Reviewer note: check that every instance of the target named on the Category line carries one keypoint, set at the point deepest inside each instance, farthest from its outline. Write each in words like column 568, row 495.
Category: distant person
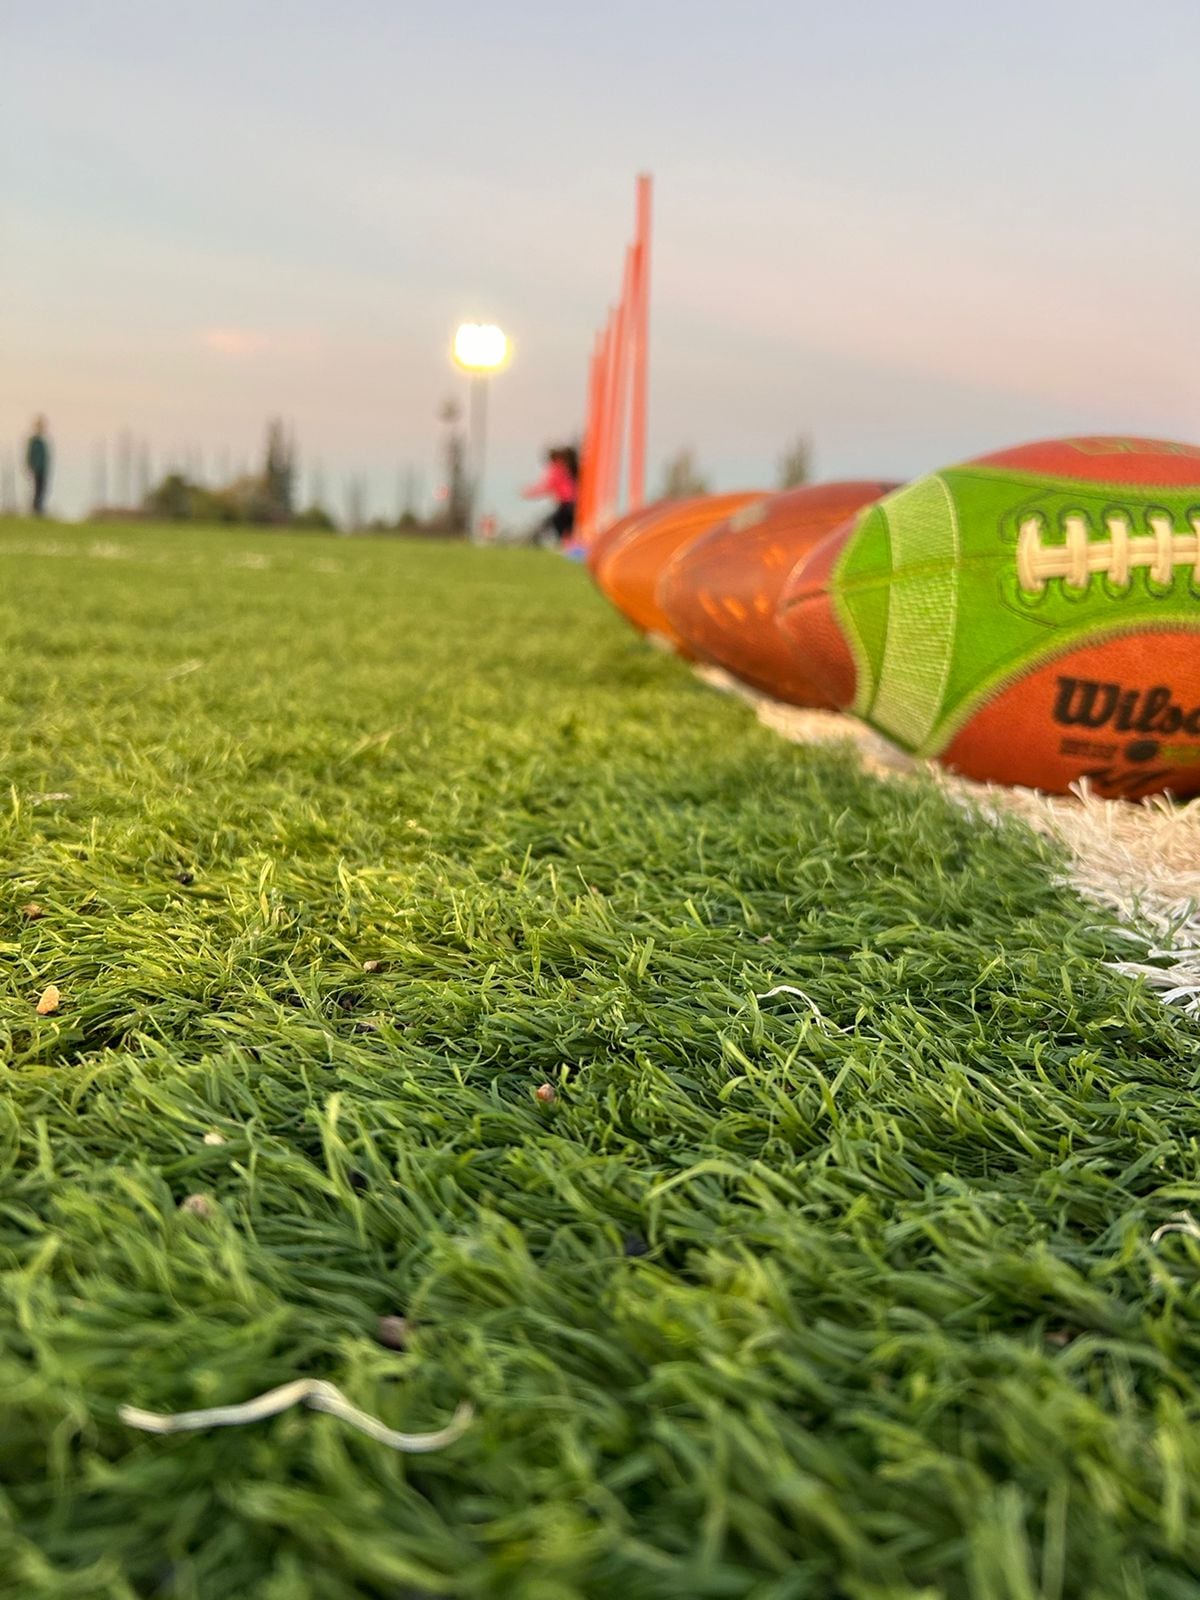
column 37, row 460
column 559, row 482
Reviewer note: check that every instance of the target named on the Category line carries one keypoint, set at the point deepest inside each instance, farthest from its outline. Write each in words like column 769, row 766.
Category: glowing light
column 480, row 347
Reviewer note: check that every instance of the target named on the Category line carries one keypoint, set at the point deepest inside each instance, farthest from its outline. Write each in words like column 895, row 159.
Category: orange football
column 720, row 592
column 608, row 538
column 629, row 569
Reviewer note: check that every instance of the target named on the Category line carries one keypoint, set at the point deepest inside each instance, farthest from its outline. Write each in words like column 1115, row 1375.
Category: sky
column 912, row 232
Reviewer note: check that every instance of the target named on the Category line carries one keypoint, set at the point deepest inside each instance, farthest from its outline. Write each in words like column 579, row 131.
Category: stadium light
column 480, row 348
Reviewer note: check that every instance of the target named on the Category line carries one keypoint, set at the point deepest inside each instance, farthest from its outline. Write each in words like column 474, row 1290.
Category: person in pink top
column 560, row 482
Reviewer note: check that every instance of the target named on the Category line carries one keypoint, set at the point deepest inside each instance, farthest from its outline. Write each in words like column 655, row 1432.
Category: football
column 610, row 537
column 1030, row 617
column 719, row 593
column 629, row 568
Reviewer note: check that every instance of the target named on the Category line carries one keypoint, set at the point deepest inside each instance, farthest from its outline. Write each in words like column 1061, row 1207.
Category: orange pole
column 604, row 464
column 617, row 377
column 588, row 445
column 581, row 486
column 618, row 382
column 591, row 441
column 639, row 347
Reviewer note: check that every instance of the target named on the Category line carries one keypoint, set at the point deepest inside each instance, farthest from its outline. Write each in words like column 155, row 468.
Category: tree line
column 269, row 497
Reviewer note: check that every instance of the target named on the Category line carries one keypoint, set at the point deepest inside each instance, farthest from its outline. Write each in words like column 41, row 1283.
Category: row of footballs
column 1030, row 617
column 706, row 575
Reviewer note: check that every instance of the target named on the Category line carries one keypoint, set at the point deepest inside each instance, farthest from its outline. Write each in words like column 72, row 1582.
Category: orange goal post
column 616, row 393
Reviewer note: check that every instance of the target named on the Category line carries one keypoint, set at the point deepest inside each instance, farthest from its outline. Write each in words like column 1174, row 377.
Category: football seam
column 910, row 690
column 1118, row 487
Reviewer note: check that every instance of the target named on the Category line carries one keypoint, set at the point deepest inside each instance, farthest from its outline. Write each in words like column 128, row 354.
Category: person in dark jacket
column 37, row 460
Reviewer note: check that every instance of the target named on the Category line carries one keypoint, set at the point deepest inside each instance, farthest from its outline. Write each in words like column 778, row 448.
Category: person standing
column 37, row 460
column 559, row 482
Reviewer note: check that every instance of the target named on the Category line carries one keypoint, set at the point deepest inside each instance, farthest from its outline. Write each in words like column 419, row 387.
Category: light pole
column 480, row 348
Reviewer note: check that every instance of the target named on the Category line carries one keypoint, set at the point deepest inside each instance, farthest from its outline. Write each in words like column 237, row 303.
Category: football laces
column 1078, row 556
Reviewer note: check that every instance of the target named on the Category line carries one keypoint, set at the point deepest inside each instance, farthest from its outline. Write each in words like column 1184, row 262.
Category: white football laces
column 1079, row 556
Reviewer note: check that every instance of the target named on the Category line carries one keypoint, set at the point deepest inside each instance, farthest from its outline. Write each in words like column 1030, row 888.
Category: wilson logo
column 1085, row 703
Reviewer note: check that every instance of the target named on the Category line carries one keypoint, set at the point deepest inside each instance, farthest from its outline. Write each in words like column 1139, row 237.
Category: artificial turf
column 342, row 849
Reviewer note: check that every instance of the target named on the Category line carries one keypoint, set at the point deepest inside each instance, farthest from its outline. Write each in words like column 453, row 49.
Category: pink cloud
column 234, row 341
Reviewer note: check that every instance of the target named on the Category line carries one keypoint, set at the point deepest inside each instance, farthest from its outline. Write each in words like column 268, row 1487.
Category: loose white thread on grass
column 312, row 1392
column 789, row 988
column 1183, row 1222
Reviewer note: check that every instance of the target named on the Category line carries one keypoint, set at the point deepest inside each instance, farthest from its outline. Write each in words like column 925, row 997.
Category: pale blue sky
column 914, row 231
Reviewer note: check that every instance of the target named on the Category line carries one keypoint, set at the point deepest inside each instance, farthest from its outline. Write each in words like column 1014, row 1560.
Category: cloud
column 234, row 341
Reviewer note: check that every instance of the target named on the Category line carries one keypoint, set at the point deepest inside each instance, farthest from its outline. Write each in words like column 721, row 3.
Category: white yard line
column 1141, row 862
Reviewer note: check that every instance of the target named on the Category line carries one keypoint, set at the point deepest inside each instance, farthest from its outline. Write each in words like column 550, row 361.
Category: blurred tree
column 125, row 468
column 315, row 516
column 406, row 504
column 455, row 517
column 356, row 504
column 246, row 498
column 171, row 499
column 251, row 497
column 177, row 499
column 100, row 475
column 279, row 473
column 681, row 477
column 795, row 464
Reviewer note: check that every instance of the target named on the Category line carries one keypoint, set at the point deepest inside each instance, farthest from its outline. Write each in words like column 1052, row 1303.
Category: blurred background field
column 215, row 215
column 337, row 853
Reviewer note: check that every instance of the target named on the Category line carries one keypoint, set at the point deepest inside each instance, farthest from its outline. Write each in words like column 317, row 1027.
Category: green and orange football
column 1030, row 617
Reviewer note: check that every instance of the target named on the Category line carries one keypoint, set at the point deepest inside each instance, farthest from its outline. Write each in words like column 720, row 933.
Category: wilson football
column 719, row 593
column 1030, row 617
